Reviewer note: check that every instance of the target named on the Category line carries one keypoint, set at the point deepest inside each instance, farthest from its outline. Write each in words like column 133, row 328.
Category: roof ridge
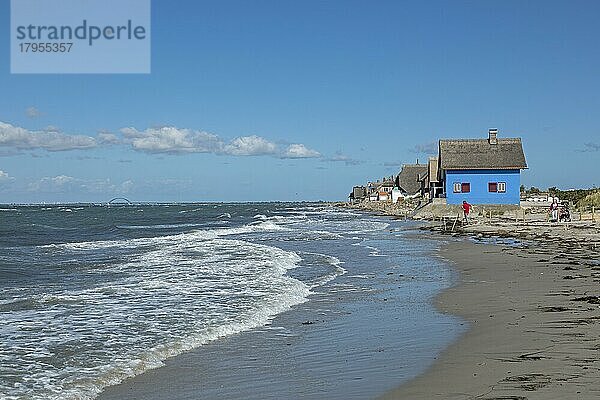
column 500, row 140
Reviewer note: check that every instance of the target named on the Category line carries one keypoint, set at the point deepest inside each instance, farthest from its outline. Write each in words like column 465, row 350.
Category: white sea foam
column 160, row 226
column 57, row 228
column 338, row 270
column 156, row 298
column 331, row 212
column 364, row 226
column 184, row 288
column 263, row 226
column 191, row 211
column 12, row 301
column 288, row 219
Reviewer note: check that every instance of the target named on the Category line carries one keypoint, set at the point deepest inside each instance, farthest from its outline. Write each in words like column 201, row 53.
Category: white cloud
column 590, row 147
column 50, row 139
column 426, row 148
column 60, row 183
column 183, row 141
column 33, row 112
column 166, row 139
column 64, row 183
column 131, row 133
column 340, row 157
column 61, row 180
column 250, row 146
column 108, row 138
column 172, row 140
column 4, row 177
column 106, row 186
column 299, row 151
column 127, row 186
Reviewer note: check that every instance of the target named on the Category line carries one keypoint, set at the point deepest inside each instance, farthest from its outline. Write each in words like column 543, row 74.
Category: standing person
column 466, row 210
column 554, row 210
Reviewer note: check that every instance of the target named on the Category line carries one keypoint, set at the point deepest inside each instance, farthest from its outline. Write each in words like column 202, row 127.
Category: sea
column 91, row 295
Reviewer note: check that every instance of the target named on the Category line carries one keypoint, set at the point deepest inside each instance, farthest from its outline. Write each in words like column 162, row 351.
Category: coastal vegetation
column 591, row 200
column 579, row 197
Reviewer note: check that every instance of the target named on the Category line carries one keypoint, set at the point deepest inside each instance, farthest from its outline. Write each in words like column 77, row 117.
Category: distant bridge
column 120, row 200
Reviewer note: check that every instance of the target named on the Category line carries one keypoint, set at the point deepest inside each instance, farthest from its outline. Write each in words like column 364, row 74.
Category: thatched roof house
column 481, row 171
column 408, row 180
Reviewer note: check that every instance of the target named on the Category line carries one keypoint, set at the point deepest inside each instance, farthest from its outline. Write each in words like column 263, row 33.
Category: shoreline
column 526, row 337
column 533, row 315
column 356, row 338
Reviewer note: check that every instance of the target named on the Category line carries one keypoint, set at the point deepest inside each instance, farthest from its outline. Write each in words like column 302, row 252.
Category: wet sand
column 532, row 310
column 534, row 318
column 359, row 336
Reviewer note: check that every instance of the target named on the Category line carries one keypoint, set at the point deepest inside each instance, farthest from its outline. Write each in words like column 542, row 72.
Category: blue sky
column 300, row 100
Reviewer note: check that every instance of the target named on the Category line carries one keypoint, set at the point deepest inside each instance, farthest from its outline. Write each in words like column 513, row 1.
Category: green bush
column 591, row 200
column 572, row 196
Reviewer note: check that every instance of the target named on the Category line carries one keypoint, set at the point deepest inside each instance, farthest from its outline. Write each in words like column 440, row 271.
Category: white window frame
column 457, row 187
column 501, row 187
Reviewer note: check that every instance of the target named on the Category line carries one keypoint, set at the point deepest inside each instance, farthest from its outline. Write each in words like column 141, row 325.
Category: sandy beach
column 529, row 301
column 359, row 335
column 533, row 312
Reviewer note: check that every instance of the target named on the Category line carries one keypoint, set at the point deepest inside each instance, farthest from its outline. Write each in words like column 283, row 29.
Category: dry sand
column 534, row 316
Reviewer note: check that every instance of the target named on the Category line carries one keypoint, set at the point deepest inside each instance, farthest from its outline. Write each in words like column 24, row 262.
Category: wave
column 264, row 226
column 256, row 227
column 180, row 293
column 337, row 270
column 55, row 228
column 160, row 226
column 148, row 299
column 365, row 226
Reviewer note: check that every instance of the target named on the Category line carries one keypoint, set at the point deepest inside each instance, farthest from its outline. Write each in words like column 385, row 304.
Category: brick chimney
column 493, row 136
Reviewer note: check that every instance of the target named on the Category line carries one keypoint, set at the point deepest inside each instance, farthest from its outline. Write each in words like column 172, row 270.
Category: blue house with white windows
column 482, row 171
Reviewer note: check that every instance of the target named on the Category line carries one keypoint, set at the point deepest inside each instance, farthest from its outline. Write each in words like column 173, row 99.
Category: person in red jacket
column 466, row 210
